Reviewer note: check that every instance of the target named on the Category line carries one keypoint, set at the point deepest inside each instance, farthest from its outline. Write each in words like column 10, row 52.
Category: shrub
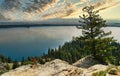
column 27, row 62
column 100, row 73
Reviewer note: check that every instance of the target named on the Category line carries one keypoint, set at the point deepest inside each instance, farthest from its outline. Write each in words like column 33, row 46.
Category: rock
column 89, row 66
column 54, row 68
column 94, row 69
column 86, row 62
column 113, row 71
column 2, row 68
column 58, row 67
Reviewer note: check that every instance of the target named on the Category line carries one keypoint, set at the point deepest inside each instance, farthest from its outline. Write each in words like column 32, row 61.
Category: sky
column 40, row 10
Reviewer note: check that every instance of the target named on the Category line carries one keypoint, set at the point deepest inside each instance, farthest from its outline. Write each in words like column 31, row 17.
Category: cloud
column 59, row 12
column 106, row 4
column 41, row 5
column 99, row 5
column 36, row 10
column 2, row 17
column 10, row 4
column 109, row 5
column 74, row 9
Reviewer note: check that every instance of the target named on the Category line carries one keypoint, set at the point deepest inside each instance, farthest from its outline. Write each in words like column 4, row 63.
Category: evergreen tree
column 9, row 60
column 93, row 36
column 23, row 60
column 15, row 64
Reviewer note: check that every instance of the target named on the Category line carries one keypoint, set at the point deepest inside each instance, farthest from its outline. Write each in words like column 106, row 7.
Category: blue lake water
column 34, row 41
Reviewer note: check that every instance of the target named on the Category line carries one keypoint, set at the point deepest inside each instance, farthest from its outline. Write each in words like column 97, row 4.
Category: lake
column 34, row 41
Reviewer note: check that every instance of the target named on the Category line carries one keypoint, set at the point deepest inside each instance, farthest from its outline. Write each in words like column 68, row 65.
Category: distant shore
column 33, row 25
column 28, row 25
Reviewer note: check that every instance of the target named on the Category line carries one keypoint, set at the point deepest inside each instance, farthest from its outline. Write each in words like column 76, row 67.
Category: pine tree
column 15, row 64
column 9, row 60
column 93, row 36
column 22, row 61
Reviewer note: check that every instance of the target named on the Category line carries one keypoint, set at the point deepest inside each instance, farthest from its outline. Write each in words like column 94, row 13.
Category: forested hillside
column 72, row 51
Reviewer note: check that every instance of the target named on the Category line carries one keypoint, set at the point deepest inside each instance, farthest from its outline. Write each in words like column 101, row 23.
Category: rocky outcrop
column 54, row 68
column 3, row 68
column 61, row 68
column 90, row 66
column 94, row 69
column 86, row 62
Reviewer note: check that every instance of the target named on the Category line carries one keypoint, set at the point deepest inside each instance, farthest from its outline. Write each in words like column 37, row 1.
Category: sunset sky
column 37, row 10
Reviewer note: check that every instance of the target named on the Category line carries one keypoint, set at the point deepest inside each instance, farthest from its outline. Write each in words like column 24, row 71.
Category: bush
column 27, row 62
column 100, row 73
column 1, row 72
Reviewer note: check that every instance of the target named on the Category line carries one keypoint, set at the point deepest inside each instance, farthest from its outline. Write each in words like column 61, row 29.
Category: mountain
column 50, row 22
